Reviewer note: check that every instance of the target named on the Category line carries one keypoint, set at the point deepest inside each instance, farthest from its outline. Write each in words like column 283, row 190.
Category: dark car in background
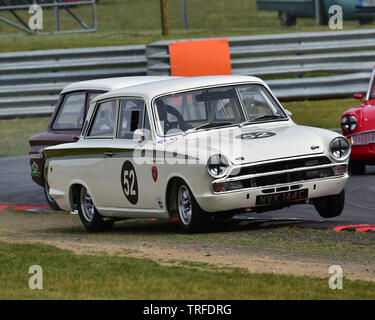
column 290, row 10
column 68, row 118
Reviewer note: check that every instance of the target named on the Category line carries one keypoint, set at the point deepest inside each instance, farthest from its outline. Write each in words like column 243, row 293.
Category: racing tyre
column 191, row 217
column 357, row 168
column 51, row 202
column 287, row 19
column 89, row 215
column 330, row 206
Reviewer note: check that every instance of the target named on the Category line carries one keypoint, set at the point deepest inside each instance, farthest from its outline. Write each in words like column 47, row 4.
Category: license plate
column 367, row 3
column 283, row 197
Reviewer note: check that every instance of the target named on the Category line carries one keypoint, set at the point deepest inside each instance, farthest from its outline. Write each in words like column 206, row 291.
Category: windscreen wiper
column 262, row 117
column 208, row 125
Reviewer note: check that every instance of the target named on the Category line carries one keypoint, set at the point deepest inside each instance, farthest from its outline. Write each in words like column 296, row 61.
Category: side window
column 92, row 95
column 104, row 120
column 131, row 118
column 71, row 112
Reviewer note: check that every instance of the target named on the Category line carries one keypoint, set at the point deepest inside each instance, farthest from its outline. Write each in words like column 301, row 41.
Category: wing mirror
column 138, row 135
column 358, row 96
column 288, row 113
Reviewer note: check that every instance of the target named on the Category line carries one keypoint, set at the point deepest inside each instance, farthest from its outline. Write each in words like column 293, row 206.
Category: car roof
column 151, row 90
column 110, row 84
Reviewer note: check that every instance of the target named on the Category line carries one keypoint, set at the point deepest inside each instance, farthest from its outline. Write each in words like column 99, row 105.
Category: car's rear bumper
column 246, row 198
column 62, row 199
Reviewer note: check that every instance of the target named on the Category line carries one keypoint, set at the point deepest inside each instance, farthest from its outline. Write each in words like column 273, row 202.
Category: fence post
column 164, row 17
column 184, row 14
column 318, row 12
column 57, row 16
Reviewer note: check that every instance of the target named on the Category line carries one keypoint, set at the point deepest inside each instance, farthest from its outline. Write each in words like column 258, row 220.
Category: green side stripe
column 99, row 152
column 92, row 153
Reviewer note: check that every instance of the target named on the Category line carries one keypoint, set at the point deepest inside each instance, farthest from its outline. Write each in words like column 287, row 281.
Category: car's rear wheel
column 89, row 215
column 191, row 217
column 330, row 206
column 51, row 202
column 357, row 167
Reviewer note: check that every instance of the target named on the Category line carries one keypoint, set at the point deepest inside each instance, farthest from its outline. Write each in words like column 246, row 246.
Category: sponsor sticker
column 160, row 203
column 154, row 172
column 35, row 169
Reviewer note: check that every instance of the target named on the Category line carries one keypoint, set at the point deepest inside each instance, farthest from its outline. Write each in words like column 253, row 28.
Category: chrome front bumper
column 284, row 171
column 246, row 198
column 240, row 188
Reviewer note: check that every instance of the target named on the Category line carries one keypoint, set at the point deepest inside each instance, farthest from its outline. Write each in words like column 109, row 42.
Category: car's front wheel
column 51, row 202
column 191, row 217
column 330, row 206
column 89, row 215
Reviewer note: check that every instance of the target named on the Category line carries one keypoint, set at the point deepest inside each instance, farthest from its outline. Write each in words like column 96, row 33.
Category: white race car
column 192, row 149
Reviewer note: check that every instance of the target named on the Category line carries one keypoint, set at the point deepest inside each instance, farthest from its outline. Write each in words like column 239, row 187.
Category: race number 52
column 129, row 182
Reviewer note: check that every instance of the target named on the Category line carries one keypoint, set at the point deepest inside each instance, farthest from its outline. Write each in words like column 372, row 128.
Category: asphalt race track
column 17, row 188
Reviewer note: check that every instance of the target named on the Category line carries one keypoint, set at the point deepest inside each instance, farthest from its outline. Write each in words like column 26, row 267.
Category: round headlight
column 349, row 123
column 340, row 148
column 217, row 165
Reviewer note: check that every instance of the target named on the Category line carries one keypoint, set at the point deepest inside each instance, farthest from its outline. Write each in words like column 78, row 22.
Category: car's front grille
column 363, row 138
column 278, row 173
column 281, row 165
column 287, row 178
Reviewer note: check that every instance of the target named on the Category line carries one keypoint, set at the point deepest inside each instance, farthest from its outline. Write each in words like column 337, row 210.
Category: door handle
column 109, row 154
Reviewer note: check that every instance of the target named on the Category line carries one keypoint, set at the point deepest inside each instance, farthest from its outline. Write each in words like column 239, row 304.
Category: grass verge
column 223, row 241
column 70, row 276
column 15, row 134
column 320, row 113
column 122, row 22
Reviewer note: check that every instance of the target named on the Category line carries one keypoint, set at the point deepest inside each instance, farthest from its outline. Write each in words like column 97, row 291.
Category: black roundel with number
column 129, row 182
column 257, row 135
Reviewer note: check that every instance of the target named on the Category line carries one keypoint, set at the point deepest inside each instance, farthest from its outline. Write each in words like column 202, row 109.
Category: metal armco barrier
column 300, row 59
column 304, row 65
column 31, row 81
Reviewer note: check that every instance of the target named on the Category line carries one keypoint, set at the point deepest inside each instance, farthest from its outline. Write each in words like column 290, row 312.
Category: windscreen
column 216, row 107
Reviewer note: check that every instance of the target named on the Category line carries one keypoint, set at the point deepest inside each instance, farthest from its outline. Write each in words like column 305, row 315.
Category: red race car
column 358, row 125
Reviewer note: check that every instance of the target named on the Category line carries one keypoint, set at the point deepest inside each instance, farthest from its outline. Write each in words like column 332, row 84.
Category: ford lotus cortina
column 194, row 149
